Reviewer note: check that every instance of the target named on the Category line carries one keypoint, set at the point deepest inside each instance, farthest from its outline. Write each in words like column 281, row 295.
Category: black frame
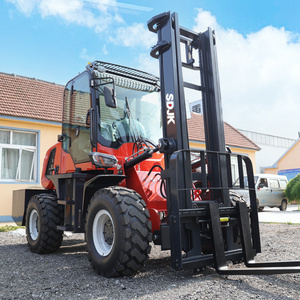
column 75, row 190
column 189, row 221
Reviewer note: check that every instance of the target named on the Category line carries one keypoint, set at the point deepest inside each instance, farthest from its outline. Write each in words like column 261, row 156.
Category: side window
column 283, row 184
column 18, row 156
column 50, row 164
column 274, row 183
column 66, row 126
column 263, row 182
column 77, row 102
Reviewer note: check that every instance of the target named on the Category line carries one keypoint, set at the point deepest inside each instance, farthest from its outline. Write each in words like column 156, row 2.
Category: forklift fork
column 253, row 268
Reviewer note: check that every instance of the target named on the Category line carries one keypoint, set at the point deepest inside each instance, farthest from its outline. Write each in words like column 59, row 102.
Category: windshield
column 136, row 116
column 237, row 182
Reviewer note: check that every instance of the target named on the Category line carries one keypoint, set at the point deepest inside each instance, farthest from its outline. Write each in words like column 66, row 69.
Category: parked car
column 269, row 191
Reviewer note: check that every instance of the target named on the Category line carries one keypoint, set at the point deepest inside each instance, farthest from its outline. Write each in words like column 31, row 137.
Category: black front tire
column 283, row 205
column 118, row 232
column 42, row 217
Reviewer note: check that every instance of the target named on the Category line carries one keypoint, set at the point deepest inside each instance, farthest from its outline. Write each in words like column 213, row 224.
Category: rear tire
column 283, row 205
column 118, row 232
column 42, row 217
column 235, row 197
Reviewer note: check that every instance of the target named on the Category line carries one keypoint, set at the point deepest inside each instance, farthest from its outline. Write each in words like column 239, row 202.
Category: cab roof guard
column 125, row 72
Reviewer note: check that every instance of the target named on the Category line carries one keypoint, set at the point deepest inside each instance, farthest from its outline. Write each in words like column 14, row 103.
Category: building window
column 18, row 156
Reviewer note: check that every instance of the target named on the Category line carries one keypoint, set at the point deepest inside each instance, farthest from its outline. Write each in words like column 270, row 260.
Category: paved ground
column 291, row 215
column 67, row 274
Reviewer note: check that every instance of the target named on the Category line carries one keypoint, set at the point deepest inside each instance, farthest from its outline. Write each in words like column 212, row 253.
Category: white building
column 272, row 147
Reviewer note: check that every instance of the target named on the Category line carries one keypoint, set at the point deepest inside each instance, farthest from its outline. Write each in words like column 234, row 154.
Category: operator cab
column 107, row 106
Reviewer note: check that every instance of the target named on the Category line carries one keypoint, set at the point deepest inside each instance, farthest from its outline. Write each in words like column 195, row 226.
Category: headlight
column 102, row 160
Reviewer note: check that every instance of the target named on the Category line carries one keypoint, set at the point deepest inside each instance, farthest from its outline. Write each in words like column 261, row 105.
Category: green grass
column 7, row 228
column 289, row 223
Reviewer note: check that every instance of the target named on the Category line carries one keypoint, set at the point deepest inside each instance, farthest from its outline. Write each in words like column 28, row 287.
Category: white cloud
column 96, row 14
column 148, row 64
column 89, row 57
column 104, row 50
column 259, row 77
column 100, row 15
column 86, row 56
column 259, row 73
column 134, row 36
column 25, row 6
column 205, row 19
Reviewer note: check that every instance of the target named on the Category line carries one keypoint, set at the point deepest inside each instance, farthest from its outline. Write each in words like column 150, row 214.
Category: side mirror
column 88, row 118
column 60, row 138
column 110, row 97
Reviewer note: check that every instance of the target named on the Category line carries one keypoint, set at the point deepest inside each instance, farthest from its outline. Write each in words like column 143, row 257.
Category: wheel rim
column 34, row 224
column 103, row 232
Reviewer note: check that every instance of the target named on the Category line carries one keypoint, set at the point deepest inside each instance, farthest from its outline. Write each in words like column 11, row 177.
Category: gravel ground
column 67, row 274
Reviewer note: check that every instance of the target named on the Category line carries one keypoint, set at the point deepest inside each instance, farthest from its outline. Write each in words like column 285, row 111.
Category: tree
column 292, row 191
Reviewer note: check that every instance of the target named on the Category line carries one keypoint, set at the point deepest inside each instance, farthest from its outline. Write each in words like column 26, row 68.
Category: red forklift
column 107, row 176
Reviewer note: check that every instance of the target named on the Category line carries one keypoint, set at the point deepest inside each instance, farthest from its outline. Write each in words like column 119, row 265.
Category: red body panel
column 136, row 177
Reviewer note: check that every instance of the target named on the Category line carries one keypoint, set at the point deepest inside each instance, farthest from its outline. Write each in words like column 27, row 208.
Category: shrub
column 7, row 228
column 292, row 191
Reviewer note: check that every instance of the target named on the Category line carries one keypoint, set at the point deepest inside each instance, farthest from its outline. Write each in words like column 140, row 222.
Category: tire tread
column 136, row 228
column 51, row 216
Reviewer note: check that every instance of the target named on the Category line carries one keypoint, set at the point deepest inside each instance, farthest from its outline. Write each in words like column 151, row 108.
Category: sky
column 258, row 45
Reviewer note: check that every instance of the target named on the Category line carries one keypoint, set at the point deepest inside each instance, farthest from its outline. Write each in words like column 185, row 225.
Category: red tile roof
column 30, row 98
column 36, row 99
column 233, row 137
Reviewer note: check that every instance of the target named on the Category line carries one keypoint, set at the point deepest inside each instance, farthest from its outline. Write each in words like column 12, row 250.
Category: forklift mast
column 218, row 228
column 168, row 50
